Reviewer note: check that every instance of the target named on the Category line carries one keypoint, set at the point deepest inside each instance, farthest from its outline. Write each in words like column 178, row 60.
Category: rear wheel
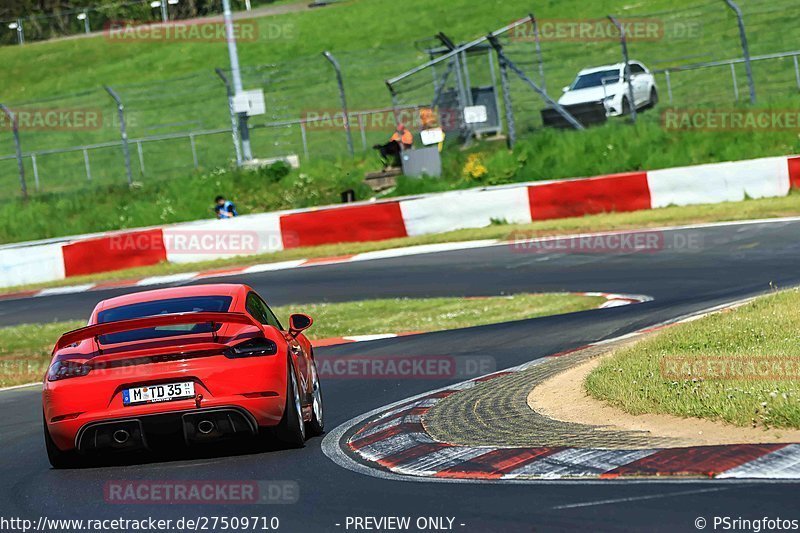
column 57, row 457
column 292, row 428
column 316, row 426
column 653, row 101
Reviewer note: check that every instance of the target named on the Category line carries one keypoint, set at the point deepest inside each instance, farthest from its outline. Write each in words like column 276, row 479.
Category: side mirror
column 565, row 89
column 298, row 323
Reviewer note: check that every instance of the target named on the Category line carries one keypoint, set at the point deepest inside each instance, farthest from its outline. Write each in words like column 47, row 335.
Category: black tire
column 292, row 429
column 58, row 458
column 653, row 101
column 626, row 106
column 316, row 426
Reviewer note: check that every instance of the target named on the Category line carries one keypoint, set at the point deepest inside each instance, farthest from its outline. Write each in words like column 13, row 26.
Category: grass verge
column 741, row 367
column 25, row 350
column 545, row 155
column 746, row 210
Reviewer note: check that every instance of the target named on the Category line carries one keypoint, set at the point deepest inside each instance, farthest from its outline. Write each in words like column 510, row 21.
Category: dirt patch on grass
column 562, row 397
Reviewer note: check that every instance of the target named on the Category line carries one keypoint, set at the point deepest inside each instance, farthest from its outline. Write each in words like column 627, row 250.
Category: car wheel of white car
column 626, row 106
column 653, row 100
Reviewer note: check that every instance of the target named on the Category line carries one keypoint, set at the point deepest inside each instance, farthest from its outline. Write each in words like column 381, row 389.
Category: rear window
column 193, row 304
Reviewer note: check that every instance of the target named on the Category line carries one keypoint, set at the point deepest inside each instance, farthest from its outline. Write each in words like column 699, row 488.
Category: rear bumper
column 148, row 425
column 257, row 385
column 145, row 432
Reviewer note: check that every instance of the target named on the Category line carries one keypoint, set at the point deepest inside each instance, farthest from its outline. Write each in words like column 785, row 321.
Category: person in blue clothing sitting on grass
column 224, row 208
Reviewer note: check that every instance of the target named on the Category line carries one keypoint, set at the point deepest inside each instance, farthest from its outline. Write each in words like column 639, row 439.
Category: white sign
column 432, row 136
column 475, row 114
column 250, row 102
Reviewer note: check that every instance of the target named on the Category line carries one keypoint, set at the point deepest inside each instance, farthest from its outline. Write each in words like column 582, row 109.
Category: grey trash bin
column 425, row 161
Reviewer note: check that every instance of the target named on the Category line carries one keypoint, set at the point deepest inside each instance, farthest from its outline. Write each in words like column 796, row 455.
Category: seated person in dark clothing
column 224, row 208
column 402, row 139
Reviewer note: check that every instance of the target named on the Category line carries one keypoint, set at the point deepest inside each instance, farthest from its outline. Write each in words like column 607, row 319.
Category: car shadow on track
column 240, row 446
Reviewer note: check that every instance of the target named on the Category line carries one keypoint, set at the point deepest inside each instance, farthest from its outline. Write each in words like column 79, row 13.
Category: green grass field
column 740, row 367
column 25, row 350
column 373, row 27
column 170, row 87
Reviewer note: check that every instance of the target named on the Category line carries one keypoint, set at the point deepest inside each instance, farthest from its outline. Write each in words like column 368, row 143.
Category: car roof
column 216, row 289
column 615, row 66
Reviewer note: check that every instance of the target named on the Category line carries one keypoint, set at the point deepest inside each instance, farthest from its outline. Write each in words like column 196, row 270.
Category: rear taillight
column 67, row 369
column 252, row 348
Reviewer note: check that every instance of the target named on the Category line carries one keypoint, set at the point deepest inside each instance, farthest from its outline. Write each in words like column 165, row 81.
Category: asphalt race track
column 697, row 269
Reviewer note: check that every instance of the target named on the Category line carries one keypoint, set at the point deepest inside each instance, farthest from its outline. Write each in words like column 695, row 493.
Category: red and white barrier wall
column 31, row 264
column 447, row 211
column 435, row 213
column 204, row 240
column 720, row 182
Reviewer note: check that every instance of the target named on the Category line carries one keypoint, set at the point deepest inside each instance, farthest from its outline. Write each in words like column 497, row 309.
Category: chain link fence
column 712, row 69
column 716, row 53
column 62, row 133
column 182, row 124
column 173, row 126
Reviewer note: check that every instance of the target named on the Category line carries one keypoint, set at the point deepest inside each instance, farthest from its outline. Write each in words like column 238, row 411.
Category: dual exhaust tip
column 130, row 434
column 204, row 427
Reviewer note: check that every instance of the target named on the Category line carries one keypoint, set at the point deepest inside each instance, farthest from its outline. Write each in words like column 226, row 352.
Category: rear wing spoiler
column 96, row 330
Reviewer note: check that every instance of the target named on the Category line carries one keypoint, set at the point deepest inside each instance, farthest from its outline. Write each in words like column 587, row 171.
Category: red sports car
column 179, row 365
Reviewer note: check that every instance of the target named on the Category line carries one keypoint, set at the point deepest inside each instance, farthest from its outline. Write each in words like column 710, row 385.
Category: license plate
column 158, row 393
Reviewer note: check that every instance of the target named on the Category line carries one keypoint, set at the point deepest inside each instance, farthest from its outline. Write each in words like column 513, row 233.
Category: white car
column 606, row 84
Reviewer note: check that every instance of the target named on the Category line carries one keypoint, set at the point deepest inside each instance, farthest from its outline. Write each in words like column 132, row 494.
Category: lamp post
column 163, row 5
column 20, row 33
column 85, row 18
column 236, row 77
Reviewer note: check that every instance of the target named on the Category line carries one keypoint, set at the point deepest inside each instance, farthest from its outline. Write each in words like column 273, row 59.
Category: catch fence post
column 18, row 146
column 123, row 132
column 343, row 98
column 745, row 48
